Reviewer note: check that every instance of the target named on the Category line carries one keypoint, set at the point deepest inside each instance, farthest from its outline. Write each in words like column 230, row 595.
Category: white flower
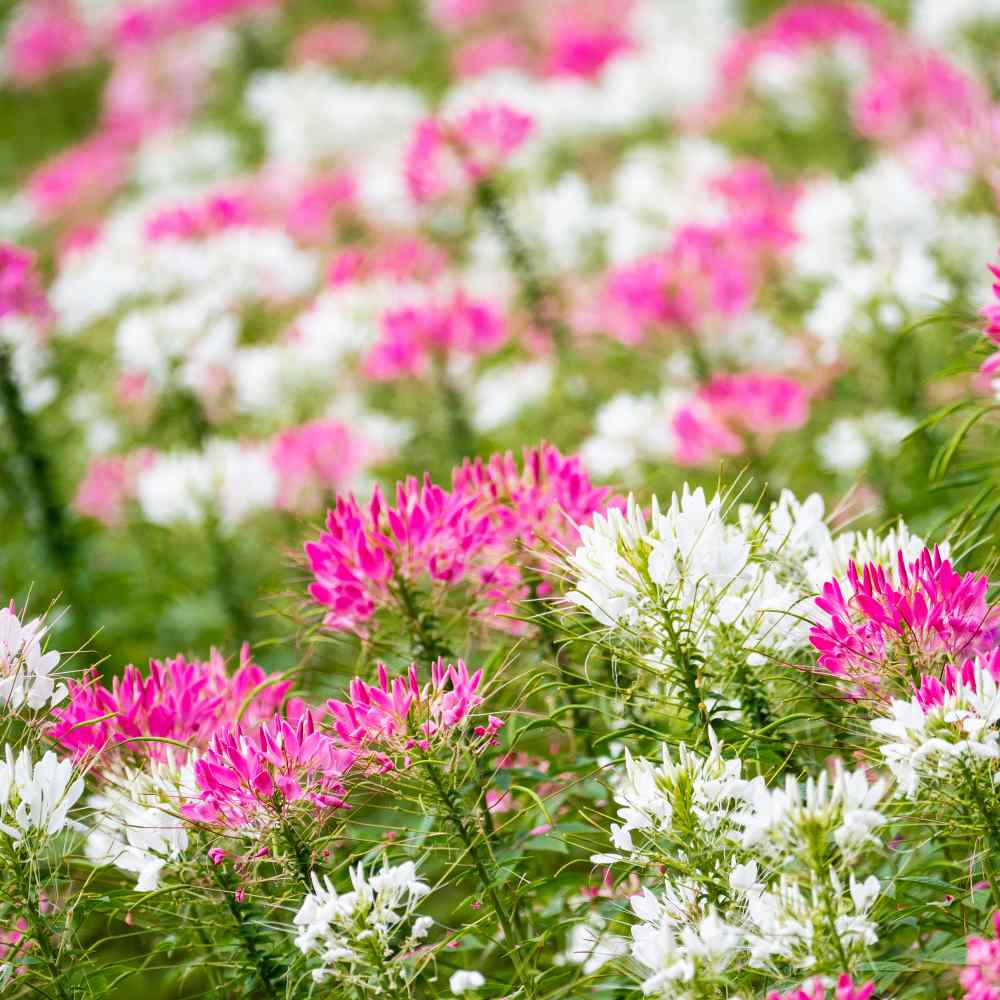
column 342, row 928
column 464, row 981
column 36, row 797
column 136, row 824
column 26, row 673
column 928, row 735
column 591, row 945
column 782, row 820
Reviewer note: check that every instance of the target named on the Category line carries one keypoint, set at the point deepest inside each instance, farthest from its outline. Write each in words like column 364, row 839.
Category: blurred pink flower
column 45, row 37
column 981, row 976
column 844, row 990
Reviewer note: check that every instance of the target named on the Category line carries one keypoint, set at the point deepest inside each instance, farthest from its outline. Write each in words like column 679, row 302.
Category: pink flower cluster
column 981, row 976
column 314, row 460
column 247, row 775
column 364, row 552
column 731, row 407
column 45, row 37
column 414, row 338
column 844, row 990
column 447, row 156
column 932, row 693
column 411, row 259
column 481, row 533
column 925, row 615
column 707, row 272
column 182, row 700
column 199, row 219
column 21, row 291
column 990, row 368
column 108, row 484
column 395, row 715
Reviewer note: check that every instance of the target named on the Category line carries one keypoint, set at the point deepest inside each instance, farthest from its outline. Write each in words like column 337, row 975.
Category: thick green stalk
column 60, row 545
column 536, row 296
column 453, row 813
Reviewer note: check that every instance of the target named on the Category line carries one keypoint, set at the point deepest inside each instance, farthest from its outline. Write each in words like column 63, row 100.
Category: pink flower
column 108, row 484
column 310, row 213
column 413, row 338
column 197, row 220
column 395, row 715
column 926, row 615
column 44, row 38
column 794, row 29
column 496, row 51
column 444, row 157
column 981, row 976
column 78, row 176
column 366, row 553
column 250, row 778
column 991, row 312
column 21, row 292
column 340, row 41
column 582, row 45
column 756, row 403
column 217, row 855
column 845, row 990
column 178, row 700
column 316, row 459
column 708, row 274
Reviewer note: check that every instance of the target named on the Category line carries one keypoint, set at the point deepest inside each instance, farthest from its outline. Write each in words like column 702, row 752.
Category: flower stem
column 58, row 539
column 263, row 966
column 39, row 931
column 429, row 645
column 460, row 432
column 453, row 812
column 536, row 296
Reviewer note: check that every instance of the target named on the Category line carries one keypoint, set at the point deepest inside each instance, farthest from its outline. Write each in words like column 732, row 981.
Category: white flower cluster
column 926, row 737
column 36, row 796
column 26, row 673
column 229, row 478
column 850, row 442
column 768, row 876
column 354, row 931
column 687, row 580
column 136, row 824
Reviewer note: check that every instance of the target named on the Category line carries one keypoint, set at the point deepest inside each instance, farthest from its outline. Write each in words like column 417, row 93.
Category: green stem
column 58, row 539
column 39, row 930
column 263, row 966
column 536, row 296
column 453, row 813
column 299, row 854
column 460, row 432
column 429, row 646
column 690, row 675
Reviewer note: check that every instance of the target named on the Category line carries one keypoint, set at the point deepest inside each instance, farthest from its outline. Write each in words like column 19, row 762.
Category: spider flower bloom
column 367, row 554
column 947, row 722
column 252, row 778
column 844, row 990
column 316, row 458
column 444, row 157
column 981, row 976
column 397, row 714
column 26, row 672
column 414, row 338
column 925, row 615
column 20, row 285
column 545, row 500
column 179, row 699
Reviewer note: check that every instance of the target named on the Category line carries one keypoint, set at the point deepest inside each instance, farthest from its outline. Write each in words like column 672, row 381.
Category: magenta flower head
column 485, row 534
column 366, row 555
column 920, row 620
column 981, row 975
column 385, row 721
column 414, row 338
column 255, row 778
column 844, row 990
column 181, row 700
column 444, row 157
column 21, row 291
